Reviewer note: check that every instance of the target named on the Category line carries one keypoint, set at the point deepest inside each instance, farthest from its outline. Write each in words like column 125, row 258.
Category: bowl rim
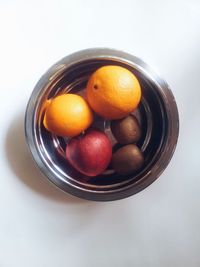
column 101, row 53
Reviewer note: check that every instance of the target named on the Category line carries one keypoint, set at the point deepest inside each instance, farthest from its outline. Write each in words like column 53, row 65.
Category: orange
column 113, row 92
column 67, row 115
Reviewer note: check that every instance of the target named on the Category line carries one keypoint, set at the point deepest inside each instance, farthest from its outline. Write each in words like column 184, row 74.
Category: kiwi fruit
column 126, row 130
column 127, row 159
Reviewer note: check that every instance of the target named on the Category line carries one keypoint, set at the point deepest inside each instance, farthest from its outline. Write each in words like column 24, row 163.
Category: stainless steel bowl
column 157, row 113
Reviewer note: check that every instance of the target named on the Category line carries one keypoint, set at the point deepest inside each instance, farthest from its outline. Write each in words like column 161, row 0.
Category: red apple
column 90, row 153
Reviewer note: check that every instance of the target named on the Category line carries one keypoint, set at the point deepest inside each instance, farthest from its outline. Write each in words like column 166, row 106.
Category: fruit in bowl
column 126, row 130
column 90, row 153
column 112, row 92
column 157, row 116
column 67, row 115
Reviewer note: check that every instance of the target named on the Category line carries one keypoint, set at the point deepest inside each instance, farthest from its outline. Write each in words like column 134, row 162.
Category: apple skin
column 90, row 153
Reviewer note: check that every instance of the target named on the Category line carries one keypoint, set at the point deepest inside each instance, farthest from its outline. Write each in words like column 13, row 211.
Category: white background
column 41, row 226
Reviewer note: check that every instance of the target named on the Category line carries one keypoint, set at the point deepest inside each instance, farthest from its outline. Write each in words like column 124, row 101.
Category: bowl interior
column 151, row 114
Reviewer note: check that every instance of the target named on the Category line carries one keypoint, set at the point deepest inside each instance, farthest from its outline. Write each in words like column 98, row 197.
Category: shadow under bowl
column 157, row 114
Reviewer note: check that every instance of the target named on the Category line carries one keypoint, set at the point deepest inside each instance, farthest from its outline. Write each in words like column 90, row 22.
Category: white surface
column 41, row 226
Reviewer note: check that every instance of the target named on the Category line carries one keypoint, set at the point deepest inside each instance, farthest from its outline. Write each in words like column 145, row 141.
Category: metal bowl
column 157, row 113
